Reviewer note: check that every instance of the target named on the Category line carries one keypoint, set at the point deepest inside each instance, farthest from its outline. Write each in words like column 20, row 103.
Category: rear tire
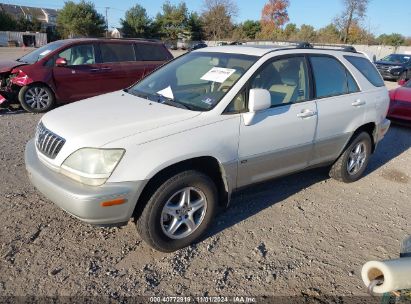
column 179, row 212
column 352, row 163
column 36, row 98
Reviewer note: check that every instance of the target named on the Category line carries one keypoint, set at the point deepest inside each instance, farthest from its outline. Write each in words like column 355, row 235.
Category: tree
column 23, row 24
column 307, row 33
column 273, row 16
column 329, row 34
column 195, row 27
column 80, row 19
column 136, row 22
column 393, row 39
column 7, row 22
column 354, row 11
column 218, row 18
column 173, row 20
column 290, row 31
column 251, row 28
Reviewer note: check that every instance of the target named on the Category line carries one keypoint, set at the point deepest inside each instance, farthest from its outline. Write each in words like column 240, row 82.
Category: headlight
column 92, row 166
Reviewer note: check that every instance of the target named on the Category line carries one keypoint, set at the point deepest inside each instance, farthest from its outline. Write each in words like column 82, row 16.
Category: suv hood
column 389, row 63
column 99, row 120
column 8, row 65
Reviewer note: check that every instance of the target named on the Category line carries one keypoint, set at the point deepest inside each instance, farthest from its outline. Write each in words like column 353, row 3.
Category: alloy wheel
column 356, row 158
column 183, row 212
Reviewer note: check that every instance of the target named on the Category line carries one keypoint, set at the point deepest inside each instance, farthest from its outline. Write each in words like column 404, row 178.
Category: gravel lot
column 303, row 235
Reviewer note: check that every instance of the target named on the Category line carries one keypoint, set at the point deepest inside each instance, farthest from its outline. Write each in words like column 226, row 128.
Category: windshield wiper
column 162, row 99
column 170, row 101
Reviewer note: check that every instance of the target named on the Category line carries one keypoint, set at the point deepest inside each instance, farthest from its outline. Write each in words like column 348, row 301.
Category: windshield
column 196, row 81
column 396, row 58
column 38, row 54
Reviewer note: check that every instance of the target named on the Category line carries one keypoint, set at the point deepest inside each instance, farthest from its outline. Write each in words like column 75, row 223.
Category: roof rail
column 333, row 47
column 140, row 39
column 304, row 45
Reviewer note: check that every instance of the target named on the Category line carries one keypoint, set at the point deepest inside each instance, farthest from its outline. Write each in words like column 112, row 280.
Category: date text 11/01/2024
column 202, row 299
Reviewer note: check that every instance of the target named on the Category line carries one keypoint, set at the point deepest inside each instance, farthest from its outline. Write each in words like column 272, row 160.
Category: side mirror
column 401, row 82
column 61, row 62
column 259, row 100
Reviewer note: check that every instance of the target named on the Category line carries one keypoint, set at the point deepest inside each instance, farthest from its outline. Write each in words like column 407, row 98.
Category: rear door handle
column 94, row 70
column 358, row 103
column 106, row 69
column 306, row 113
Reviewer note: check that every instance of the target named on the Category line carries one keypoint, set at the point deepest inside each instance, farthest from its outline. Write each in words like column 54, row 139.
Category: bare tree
column 354, row 11
column 218, row 18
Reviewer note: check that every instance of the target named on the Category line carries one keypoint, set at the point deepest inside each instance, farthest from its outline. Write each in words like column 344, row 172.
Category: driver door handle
column 358, row 103
column 306, row 113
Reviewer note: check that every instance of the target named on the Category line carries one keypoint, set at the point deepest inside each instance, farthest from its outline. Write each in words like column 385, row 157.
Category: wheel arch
column 208, row 165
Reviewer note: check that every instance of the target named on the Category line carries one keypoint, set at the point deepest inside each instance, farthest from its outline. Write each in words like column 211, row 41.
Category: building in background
column 46, row 16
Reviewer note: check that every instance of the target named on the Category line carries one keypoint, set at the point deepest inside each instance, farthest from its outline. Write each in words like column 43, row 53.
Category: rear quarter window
column 151, row 52
column 117, row 52
column 367, row 69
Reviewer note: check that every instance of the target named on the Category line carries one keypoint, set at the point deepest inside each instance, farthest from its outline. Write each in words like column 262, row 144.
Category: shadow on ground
column 250, row 201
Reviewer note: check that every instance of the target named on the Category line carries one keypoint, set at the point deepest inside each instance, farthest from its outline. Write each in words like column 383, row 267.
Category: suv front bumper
column 80, row 200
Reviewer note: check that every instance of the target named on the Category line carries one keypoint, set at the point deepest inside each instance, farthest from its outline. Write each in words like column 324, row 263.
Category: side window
column 330, row 76
column 151, row 52
column 367, row 69
column 117, row 52
column 352, row 85
column 286, row 80
column 79, row 54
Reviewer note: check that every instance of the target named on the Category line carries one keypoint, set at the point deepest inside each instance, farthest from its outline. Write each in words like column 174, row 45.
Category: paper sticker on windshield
column 45, row 52
column 217, row 74
column 167, row 93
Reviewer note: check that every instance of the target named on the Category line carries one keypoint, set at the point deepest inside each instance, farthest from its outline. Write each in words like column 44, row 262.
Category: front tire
column 36, row 98
column 352, row 163
column 178, row 212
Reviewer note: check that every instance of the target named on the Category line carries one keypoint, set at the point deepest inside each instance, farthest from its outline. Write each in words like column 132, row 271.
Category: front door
column 81, row 77
column 280, row 139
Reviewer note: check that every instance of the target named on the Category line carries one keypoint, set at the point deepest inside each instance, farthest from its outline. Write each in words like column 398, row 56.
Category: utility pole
column 107, row 8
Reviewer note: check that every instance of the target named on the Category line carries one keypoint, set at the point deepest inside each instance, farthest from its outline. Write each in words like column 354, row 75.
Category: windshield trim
column 254, row 58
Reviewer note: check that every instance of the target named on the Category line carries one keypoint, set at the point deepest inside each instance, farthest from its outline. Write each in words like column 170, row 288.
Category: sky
column 383, row 16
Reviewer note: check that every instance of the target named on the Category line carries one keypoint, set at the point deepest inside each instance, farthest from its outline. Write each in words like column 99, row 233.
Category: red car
column 400, row 102
column 68, row 70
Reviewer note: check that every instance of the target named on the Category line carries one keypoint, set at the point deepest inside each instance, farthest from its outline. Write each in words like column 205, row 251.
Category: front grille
column 383, row 67
column 47, row 142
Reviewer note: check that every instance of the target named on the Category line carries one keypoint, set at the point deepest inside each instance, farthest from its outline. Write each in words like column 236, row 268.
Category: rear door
column 117, row 60
column 80, row 78
column 341, row 107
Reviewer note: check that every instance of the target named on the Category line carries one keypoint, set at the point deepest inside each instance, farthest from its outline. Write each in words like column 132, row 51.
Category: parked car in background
column 68, row 70
column 172, row 148
column 198, row 46
column 395, row 66
column 400, row 102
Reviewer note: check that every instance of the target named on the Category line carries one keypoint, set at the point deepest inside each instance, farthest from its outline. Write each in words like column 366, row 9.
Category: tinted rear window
column 330, row 76
column 367, row 69
column 151, row 52
column 117, row 52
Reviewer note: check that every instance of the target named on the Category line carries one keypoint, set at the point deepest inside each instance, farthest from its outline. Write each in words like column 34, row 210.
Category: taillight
column 20, row 78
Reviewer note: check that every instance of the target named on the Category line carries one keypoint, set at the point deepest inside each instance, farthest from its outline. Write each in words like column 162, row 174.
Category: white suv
column 172, row 148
